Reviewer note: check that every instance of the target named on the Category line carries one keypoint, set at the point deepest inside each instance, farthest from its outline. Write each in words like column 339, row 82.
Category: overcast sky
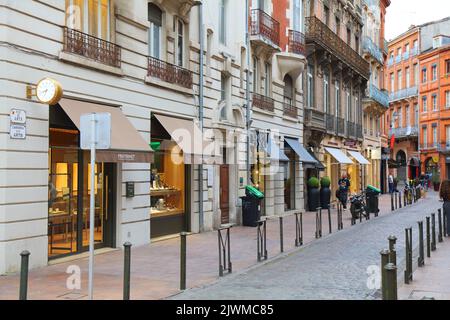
column 403, row 13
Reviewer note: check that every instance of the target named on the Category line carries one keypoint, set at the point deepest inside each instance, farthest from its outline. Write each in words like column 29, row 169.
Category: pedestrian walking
column 344, row 186
column 444, row 193
column 391, row 183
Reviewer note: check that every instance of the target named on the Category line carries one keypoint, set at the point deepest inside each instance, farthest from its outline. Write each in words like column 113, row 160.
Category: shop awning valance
column 319, row 165
column 127, row 145
column 359, row 157
column 300, row 150
column 339, row 155
column 191, row 141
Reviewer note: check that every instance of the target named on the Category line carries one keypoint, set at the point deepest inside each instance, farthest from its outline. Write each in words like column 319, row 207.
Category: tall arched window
column 154, row 32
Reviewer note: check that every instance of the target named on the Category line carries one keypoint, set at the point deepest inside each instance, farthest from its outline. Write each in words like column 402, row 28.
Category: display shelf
column 163, row 192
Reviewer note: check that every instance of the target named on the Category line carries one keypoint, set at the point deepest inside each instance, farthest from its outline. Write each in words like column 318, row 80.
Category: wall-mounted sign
column 17, row 132
column 18, row 116
column 350, row 143
column 129, row 189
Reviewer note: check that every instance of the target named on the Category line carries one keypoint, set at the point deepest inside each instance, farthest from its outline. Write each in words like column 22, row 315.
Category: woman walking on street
column 444, row 193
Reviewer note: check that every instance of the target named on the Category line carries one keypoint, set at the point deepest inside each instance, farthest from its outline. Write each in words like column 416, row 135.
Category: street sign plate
column 18, row 116
column 18, row 132
column 102, row 138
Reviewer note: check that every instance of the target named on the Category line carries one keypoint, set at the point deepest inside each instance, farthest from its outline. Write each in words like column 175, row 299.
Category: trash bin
column 251, row 206
column 372, row 196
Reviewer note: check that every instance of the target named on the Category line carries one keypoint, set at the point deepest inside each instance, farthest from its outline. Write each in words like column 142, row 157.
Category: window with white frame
column 255, row 75
column 326, row 93
column 447, row 99
column 434, row 135
column 154, row 31
column 400, row 79
column 434, row 73
column 407, row 77
column 424, row 104
column 223, row 21
column 297, row 16
column 447, row 136
column 179, row 39
column 425, row 137
column 90, row 16
column 408, row 116
column 435, row 105
column 310, row 86
column 337, row 98
column 349, row 106
column 267, row 80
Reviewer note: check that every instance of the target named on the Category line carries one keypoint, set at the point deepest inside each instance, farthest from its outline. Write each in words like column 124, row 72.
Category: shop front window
column 289, row 180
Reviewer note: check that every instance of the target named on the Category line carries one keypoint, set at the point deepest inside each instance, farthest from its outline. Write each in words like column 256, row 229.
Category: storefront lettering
column 126, row 156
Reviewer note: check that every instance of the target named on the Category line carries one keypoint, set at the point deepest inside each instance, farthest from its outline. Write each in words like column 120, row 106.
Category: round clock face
column 47, row 91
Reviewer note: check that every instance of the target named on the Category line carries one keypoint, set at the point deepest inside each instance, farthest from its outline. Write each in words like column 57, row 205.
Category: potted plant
column 436, row 181
column 325, row 192
column 313, row 194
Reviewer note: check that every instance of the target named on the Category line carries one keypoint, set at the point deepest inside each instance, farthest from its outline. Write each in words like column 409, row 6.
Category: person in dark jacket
column 444, row 193
column 344, row 186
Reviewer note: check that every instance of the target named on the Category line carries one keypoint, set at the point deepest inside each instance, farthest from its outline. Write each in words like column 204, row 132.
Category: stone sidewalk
column 155, row 268
column 433, row 280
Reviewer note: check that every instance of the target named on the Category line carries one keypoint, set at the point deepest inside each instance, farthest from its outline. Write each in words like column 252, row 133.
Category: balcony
column 341, row 127
column 405, row 55
column 351, row 129
column 169, row 73
column 377, row 95
column 390, row 62
column 372, row 49
column 405, row 132
column 331, row 124
column 82, row 44
column 264, row 29
column 263, row 103
column 319, row 33
column 290, row 110
column 293, row 62
column 404, row 94
column 315, row 120
column 359, row 132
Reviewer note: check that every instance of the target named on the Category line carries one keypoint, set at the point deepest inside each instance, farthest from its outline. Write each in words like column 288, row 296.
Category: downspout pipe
column 201, row 111
column 247, row 92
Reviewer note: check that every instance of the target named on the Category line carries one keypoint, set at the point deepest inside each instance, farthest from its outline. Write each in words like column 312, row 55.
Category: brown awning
column 189, row 138
column 127, row 145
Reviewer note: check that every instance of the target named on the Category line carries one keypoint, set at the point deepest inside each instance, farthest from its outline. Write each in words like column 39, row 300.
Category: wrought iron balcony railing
column 351, row 129
column 404, row 132
column 263, row 102
column 297, row 42
column 404, row 94
column 169, row 73
column 359, row 131
column 315, row 119
column 380, row 96
column 331, row 123
column 318, row 32
column 398, row 58
column 341, row 126
column 290, row 110
column 91, row 47
column 264, row 25
column 370, row 47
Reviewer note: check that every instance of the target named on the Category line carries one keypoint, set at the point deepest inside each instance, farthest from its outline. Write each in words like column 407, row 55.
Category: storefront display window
column 289, row 179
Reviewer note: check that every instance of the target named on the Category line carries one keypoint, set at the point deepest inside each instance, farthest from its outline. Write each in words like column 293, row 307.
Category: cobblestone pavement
column 334, row 267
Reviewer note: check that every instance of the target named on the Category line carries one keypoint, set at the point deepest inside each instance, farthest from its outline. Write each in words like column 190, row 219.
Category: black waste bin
column 251, row 206
column 372, row 196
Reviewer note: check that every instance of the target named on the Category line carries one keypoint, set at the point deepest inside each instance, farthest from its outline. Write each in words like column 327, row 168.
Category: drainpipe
column 200, row 105
column 247, row 91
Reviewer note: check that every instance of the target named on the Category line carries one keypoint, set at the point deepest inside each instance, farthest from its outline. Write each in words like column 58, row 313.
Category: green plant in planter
column 325, row 182
column 313, row 182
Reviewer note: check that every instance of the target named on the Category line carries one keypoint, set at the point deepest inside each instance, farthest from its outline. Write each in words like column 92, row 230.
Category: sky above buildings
column 401, row 14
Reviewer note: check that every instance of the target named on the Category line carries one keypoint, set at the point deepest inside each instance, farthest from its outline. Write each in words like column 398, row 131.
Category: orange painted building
column 434, row 97
column 401, row 120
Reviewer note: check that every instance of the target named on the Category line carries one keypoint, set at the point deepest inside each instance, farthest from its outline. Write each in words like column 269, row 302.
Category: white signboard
column 18, row 116
column 102, row 130
column 17, row 132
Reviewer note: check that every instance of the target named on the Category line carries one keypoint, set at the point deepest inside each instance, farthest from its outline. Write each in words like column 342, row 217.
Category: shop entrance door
column 104, row 205
column 225, row 193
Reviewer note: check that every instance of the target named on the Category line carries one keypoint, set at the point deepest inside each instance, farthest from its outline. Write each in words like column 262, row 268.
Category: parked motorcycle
column 358, row 206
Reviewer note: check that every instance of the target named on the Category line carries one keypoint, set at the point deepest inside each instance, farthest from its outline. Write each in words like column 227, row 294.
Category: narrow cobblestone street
column 331, row 268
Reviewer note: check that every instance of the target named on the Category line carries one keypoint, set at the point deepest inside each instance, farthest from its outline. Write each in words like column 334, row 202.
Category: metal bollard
column 281, row 235
column 384, row 261
column 25, row 256
column 440, row 237
column 262, row 240
column 224, row 251
column 421, row 259
column 444, row 218
column 408, row 256
column 298, row 229
column 339, row 217
column 329, row 220
column 391, row 281
column 400, row 199
column 392, row 202
column 428, row 238
column 183, row 261
column 395, row 200
column 126, row 270
column 319, row 223
column 433, row 232
column 392, row 249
